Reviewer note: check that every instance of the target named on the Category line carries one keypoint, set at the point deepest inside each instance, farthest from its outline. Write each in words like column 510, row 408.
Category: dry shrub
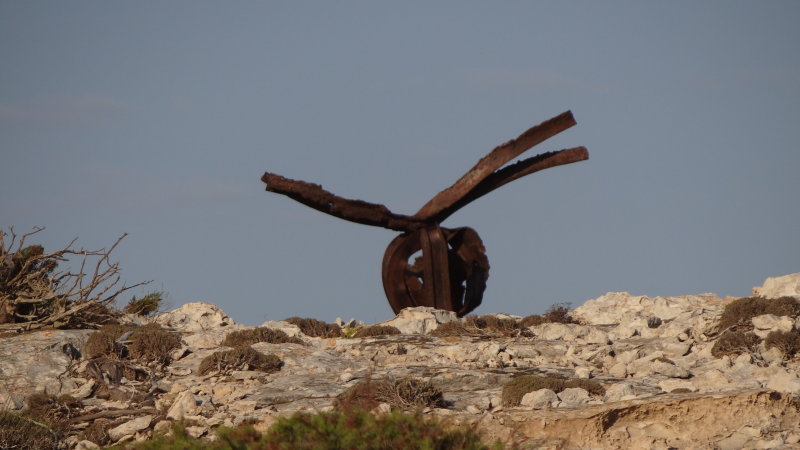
column 376, row 330
column 148, row 343
column 404, row 393
column 557, row 313
column 97, row 432
column 493, row 324
column 741, row 311
column 734, row 342
column 153, row 344
column 452, row 328
column 788, row 342
column 241, row 358
column 53, row 411
column 316, row 328
column 18, row 431
column 260, row 334
column 517, row 387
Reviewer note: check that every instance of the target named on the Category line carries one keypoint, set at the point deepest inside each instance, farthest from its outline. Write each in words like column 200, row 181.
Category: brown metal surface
column 452, row 268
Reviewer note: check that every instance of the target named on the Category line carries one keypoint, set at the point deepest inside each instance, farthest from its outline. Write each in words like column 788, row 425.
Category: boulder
column 782, row 286
column 539, row 399
column 420, row 319
column 194, row 317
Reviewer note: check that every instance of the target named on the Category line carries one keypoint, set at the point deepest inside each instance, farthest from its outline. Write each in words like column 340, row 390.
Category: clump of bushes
column 494, row 325
column 354, row 429
column 259, row 334
column 405, row 393
column 316, row 328
column 735, row 342
column 240, row 358
column 144, row 306
column 376, row 330
column 788, row 342
column 453, row 328
column 148, row 343
column 741, row 311
column 517, row 387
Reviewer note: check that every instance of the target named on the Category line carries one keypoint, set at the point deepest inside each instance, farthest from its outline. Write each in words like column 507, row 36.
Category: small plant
column 734, row 343
column 493, row 324
column 97, row 432
column 376, row 330
column 741, row 311
column 259, row 334
column 146, row 305
column 316, row 328
column 517, row 387
column 404, row 393
column 788, row 342
column 241, row 358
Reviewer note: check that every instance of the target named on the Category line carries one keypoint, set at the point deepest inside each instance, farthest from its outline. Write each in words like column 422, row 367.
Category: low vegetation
column 788, row 342
column 252, row 336
column 145, row 306
column 240, row 358
column 316, row 328
column 405, row 393
column 741, row 311
column 517, row 387
column 354, row 429
column 147, row 343
column 375, row 330
column 733, row 343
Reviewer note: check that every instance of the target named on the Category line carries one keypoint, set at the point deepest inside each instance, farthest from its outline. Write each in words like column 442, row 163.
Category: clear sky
column 159, row 118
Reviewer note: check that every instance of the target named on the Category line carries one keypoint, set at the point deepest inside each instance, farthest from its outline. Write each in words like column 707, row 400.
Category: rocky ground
column 663, row 386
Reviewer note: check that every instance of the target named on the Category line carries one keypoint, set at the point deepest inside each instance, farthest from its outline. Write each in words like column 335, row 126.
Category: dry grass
column 316, row 328
column 376, row 330
column 514, row 390
column 97, row 432
column 557, row 313
column 734, row 343
column 404, row 393
column 241, row 358
column 20, row 432
column 454, row 328
column 260, row 334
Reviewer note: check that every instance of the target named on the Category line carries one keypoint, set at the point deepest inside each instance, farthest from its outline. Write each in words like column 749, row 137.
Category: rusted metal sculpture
column 452, row 268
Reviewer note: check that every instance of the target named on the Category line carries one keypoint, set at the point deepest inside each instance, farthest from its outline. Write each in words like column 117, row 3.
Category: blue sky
column 159, row 118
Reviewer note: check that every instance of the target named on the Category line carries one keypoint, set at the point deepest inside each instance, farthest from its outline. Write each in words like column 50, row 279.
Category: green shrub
column 376, row 330
column 259, row 334
column 241, row 358
column 404, row 393
column 788, row 342
column 741, row 311
column 355, row 429
column 734, row 343
column 146, row 305
column 517, row 387
column 316, row 328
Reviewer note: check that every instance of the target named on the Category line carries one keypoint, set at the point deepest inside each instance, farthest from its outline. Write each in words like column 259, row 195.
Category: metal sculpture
column 452, row 268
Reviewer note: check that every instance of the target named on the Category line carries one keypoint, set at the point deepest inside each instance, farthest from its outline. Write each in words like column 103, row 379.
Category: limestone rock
column 185, row 404
column 420, row 319
column 130, row 427
column 194, row 317
column 619, row 391
column 774, row 287
column 767, row 323
column 573, row 396
column 539, row 399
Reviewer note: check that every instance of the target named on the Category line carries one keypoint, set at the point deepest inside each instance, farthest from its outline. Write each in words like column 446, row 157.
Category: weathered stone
column 573, row 396
column 130, row 427
column 420, row 319
column 784, row 381
column 767, row 323
column 185, row 404
column 619, row 391
column 195, row 317
column 669, row 369
column 539, row 399
column 774, row 287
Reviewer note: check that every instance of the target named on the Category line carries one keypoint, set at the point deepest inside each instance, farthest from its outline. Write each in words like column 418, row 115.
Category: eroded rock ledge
column 663, row 387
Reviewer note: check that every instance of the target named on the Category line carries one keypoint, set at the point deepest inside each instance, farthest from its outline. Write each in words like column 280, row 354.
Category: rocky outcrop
column 663, row 387
column 774, row 287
